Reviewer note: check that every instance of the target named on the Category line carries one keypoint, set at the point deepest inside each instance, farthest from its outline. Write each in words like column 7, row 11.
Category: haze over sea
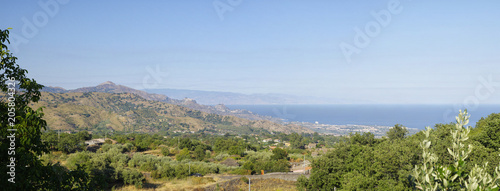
column 412, row 116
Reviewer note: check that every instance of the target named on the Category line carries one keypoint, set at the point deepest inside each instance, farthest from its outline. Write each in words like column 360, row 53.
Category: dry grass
column 271, row 184
column 156, row 152
column 191, row 183
column 208, row 183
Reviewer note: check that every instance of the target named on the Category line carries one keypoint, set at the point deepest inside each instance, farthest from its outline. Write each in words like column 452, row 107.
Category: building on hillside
column 311, row 146
column 94, row 142
column 98, row 141
column 267, row 140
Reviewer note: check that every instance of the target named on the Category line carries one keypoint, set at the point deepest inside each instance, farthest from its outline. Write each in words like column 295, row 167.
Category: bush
column 165, row 151
column 244, row 179
column 183, row 155
column 221, row 156
column 78, row 158
column 132, row 177
column 241, row 171
column 302, row 183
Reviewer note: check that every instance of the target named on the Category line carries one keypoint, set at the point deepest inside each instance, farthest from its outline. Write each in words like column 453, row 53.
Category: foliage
column 487, row 131
column 302, row 183
column 233, row 146
column 221, row 156
column 362, row 162
column 183, row 155
column 297, row 141
column 397, row 132
column 199, row 153
column 257, row 161
column 431, row 176
column 278, row 154
column 67, row 143
column 107, row 167
column 165, row 151
column 20, row 151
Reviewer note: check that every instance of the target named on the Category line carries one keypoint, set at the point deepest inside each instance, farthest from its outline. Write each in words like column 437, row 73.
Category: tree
column 50, row 139
column 279, row 154
column 165, row 151
column 186, row 143
column 487, row 131
column 183, row 155
column 199, row 153
column 83, row 136
column 397, row 132
column 69, row 144
column 296, row 141
column 24, row 142
column 362, row 139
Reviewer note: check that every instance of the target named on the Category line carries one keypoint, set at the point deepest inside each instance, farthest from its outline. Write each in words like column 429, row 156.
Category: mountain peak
column 107, row 83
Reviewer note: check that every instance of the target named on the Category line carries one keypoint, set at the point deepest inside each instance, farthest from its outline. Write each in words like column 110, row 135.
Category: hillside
column 130, row 112
column 110, row 87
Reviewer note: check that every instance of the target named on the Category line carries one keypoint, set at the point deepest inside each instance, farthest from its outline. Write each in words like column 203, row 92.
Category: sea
column 412, row 116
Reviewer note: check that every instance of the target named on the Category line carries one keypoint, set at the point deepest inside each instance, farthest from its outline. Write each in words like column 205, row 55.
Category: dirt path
column 279, row 175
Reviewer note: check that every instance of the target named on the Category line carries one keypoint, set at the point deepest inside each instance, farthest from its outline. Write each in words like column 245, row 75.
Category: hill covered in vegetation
column 95, row 111
column 219, row 109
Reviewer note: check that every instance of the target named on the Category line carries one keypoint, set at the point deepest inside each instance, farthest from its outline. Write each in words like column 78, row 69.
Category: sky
column 386, row 51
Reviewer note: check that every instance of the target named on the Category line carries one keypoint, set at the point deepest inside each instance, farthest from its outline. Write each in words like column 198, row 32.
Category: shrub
column 183, row 155
column 241, row 171
column 244, row 179
column 77, row 159
column 165, row 151
column 302, row 183
column 430, row 176
column 221, row 156
column 133, row 177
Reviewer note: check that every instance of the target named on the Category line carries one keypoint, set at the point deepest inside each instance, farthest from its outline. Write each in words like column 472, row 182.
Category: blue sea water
column 412, row 116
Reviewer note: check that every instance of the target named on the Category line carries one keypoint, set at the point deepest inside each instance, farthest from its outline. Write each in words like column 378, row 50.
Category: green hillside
column 96, row 111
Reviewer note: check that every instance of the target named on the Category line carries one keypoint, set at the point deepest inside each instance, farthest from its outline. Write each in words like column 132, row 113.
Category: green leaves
column 455, row 176
column 28, row 124
column 397, row 132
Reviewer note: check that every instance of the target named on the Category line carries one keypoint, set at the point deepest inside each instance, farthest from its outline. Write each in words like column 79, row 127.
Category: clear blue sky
column 429, row 51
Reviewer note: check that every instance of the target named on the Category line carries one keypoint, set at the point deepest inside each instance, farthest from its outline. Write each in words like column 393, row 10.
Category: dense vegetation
column 362, row 162
column 174, row 156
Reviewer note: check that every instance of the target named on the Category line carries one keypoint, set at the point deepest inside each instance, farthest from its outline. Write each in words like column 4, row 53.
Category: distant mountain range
column 229, row 98
column 128, row 112
column 219, row 109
